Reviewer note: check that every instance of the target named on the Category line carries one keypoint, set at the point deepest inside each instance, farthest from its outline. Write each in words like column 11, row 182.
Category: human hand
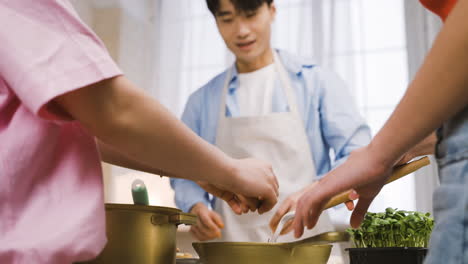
column 251, row 185
column 290, row 204
column 363, row 171
column 209, row 223
column 238, row 203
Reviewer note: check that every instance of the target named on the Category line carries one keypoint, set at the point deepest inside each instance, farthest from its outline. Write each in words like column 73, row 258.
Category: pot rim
column 143, row 208
column 258, row 244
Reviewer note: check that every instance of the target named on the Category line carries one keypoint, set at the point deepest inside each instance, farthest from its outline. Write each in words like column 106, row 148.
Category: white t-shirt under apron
column 255, row 92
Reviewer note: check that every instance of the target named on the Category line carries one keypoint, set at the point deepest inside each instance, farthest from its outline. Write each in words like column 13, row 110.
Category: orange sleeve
column 441, row 7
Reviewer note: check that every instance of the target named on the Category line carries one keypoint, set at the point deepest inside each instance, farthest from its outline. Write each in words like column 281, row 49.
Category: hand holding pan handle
column 397, row 173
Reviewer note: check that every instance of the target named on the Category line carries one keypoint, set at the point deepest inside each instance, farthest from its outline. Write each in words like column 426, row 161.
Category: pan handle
column 398, row 172
column 183, row 218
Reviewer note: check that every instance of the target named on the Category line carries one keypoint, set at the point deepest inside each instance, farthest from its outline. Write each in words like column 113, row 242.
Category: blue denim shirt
column 449, row 239
column 331, row 118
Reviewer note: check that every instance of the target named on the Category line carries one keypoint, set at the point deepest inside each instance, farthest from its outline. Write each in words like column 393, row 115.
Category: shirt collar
column 234, row 82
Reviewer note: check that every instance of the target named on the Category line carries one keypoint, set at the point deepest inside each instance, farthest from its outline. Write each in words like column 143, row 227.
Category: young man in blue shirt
column 270, row 105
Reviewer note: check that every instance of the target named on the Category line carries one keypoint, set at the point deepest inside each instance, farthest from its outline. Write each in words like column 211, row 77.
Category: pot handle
column 183, row 218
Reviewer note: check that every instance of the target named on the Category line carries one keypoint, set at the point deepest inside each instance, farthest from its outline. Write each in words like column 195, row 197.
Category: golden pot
column 141, row 234
column 313, row 250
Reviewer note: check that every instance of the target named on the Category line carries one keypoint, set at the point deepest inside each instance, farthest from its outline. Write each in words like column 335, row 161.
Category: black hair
column 240, row 5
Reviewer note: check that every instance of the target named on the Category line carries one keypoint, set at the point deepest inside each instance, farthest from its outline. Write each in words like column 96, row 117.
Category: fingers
column 265, row 189
column 282, row 210
column 312, row 209
column 200, row 234
column 352, row 196
column 267, row 204
column 250, row 203
column 268, row 192
column 407, row 157
column 269, row 201
column 298, row 221
column 360, row 211
column 288, row 227
column 208, row 226
column 234, row 203
column 309, row 207
column 237, row 203
column 276, row 183
column 298, row 225
column 350, row 205
column 242, row 204
column 272, row 178
column 311, row 219
column 197, row 234
column 217, row 219
column 207, row 233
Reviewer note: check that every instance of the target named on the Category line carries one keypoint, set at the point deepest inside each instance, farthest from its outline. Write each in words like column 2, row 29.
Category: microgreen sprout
column 393, row 228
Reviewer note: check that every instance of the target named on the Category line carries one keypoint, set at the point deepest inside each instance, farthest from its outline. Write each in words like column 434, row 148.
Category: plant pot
column 390, row 255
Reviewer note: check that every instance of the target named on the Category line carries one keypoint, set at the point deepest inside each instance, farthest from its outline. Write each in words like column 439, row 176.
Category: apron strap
column 286, row 84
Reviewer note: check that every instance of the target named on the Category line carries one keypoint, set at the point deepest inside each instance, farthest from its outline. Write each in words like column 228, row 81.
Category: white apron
column 278, row 138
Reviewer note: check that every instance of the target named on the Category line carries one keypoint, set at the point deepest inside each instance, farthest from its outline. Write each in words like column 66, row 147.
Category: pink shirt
column 51, row 192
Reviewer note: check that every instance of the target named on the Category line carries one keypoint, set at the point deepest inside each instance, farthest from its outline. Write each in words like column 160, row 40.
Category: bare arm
column 239, row 203
column 425, row 147
column 111, row 156
column 123, row 117
column 438, row 92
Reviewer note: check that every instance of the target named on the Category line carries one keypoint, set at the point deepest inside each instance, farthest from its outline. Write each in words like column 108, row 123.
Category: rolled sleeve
column 49, row 53
column 343, row 126
column 188, row 193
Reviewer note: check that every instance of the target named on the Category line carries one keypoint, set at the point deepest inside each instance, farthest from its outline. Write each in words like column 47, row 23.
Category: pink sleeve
column 47, row 51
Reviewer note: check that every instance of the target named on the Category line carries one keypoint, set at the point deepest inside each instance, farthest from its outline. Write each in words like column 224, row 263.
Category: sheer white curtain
column 171, row 37
column 189, row 51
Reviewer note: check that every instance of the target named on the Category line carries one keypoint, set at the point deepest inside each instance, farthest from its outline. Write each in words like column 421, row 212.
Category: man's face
column 246, row 34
